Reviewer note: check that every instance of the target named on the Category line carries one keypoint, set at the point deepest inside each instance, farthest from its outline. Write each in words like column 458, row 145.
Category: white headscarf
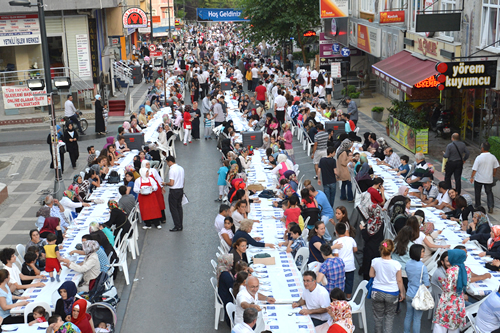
column 144, row 164
column 144, row 174
column 282, row 158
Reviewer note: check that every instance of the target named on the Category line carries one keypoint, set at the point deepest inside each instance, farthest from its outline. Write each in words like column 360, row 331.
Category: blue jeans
column 412, row 315
column 330, row 191
column 343, row 191
column 349, row 282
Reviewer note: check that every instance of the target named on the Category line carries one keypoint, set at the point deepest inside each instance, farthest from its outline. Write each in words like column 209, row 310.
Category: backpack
column 113, row 177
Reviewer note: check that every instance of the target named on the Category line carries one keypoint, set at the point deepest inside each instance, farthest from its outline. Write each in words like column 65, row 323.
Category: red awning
column 403, row 70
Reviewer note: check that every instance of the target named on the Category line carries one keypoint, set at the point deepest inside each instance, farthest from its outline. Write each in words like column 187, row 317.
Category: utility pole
column 169, row 28
column 151, row 20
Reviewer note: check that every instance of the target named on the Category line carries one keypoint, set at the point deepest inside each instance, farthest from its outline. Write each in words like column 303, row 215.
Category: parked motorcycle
column 83, row 122
column 441, row 121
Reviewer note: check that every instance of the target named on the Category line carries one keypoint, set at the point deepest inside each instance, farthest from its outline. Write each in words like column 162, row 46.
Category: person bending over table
column 90, row 268
column 118, row 218
column 474, row 276
column 57, row 325
column 244, row 232
column 315, row 299
column 479, row 229
column 8, row 258
column 461, row 212
column 443, row 200
column 248, row 298
column 6, row 303
column 64, row 305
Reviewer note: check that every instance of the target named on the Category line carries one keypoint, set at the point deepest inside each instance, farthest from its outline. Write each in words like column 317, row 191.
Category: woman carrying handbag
column 148, row 203
column 418, row 277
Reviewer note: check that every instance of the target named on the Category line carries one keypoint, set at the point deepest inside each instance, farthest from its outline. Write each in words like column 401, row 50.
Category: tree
column 277, row 20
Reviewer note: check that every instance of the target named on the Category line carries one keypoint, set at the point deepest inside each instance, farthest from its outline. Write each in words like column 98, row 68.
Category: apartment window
column 415, row 6
column 368, row 6
column 489, row 29
column 448, row 6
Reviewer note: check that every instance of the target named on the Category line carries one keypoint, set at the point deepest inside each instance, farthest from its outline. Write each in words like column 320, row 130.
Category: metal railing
column 123, row 72
column 20, row 77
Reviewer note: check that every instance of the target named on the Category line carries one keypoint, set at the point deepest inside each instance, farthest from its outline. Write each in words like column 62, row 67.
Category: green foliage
column 494, row 142
column 354, row 95
column 219, row 3
column 350, row 90
column 277, row 20
column 309, row 55
column 406, row 113
column 180, row 14
column 378, row 109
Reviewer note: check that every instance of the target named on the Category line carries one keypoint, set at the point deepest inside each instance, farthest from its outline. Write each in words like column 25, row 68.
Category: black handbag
column 113, row 177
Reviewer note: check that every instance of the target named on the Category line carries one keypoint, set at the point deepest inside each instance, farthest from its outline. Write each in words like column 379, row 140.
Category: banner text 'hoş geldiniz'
column 220, row 15
column 467, row 74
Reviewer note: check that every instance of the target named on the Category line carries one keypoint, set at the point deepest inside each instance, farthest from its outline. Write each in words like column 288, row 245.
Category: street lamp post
column 58, row 182
column 151, row 19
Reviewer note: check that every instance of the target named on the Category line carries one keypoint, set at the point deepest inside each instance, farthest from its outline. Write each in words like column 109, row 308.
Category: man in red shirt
column 377, row 192
column 261, row 93
column 347, row 118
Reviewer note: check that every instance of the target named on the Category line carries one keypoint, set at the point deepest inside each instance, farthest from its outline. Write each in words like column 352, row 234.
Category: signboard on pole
column 467, row 74
column 19, row 30
column 392, row 17
column 336, row 70
column 134, row 18
column 219, row 15
column 333, row 8
column 17, row 97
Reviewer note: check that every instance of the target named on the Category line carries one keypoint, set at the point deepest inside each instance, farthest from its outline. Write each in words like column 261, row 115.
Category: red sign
column 155, row 54
column 156, row 19
column 309, row 33
column 430, row 82
column 152, row 48
column 392, row 17
column 427, row 47
column 134, row 18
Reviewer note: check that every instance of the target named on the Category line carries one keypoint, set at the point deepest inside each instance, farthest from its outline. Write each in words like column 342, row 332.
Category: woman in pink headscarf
column 126, row 127
column 110, row 141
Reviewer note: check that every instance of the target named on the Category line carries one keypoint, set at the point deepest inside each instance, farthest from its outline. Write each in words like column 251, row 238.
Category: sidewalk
column 435, row 152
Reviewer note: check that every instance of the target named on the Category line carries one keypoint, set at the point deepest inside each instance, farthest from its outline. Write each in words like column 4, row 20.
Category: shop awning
column 404, row 71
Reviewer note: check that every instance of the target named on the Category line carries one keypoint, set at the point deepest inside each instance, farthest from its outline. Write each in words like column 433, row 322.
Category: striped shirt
column 322, row 139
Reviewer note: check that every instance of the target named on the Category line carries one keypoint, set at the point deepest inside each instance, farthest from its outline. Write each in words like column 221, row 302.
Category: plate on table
column 265, row 288
column 9, row 328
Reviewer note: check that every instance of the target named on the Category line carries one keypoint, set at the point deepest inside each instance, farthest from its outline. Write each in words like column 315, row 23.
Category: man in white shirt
column 255, row 77
column 443, row 200
column 205, row 77
column 176, row 193
column 279, row 106
column 248, row 298
column 249, row 320
column 314, row 76
column 315, row 300
column 70, row 112
column 224, row 211
column 483, row 171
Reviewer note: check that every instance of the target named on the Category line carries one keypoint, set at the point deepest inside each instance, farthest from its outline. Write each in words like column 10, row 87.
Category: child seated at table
column 295, row 241
column 292, row 211
column 29, row 267
column 39, row 315
column 52, row 257
column 40, row 260
column 404, row 168
column 103, row 328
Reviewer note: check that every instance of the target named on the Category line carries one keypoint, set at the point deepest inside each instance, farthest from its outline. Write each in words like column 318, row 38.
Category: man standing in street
column 483, row 172
column 456, row 153
column 176, row 184
column 219, row 114
column 352, row 110
column 255, row 77
column 279, row 106
column 314, row 77
column 319, row 148
column 327, row 168
column 261, row 93
column 70, row 112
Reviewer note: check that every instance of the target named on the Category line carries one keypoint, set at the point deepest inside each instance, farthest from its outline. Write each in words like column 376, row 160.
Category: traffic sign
column 336, row 48
column 345, row 52
column 152, row 48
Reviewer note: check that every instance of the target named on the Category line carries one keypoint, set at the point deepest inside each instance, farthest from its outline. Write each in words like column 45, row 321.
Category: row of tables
column 97, row 212
column 452, row 233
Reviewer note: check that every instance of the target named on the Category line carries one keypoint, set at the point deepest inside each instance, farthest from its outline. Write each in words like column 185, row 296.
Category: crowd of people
column 273, row 96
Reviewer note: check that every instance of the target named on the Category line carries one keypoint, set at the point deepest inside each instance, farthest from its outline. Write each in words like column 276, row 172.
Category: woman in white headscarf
column 148, row 204
column 304, row 74
column 153, row 173
column 100, row 126
column 283, row 164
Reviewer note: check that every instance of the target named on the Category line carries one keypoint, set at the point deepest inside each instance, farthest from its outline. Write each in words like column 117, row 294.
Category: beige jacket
column 342, row 169
column 90, row 268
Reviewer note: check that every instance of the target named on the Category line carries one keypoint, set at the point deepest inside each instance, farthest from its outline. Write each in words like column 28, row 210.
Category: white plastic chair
column 132, row 244
column 219, row 306
column 360, row 308
column 121, row 251
column 224, row 246
column 55, row 297
column 29, row 309
column 470, row 311
column 304, row 252
column 21, row 251
column 231, row 309
column 214, row 265
column 232, row 295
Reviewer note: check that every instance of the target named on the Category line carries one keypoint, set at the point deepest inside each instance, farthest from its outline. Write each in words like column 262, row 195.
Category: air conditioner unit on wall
column 105, row 78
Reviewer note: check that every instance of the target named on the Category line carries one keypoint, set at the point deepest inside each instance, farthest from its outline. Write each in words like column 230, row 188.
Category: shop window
column 489, row 30
column 415, row 6
column 368, row 6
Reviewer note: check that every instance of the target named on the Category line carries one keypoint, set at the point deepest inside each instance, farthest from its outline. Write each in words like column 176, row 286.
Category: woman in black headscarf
column 71, row 140
column 100, row 127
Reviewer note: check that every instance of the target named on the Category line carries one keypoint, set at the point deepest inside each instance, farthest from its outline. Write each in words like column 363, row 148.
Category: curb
column 45, row 124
